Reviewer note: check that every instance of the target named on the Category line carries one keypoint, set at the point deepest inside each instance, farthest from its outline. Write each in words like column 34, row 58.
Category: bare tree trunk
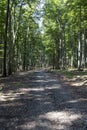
column 5, row 42
column 80, row 44
column 83, row 49
column 63, row 49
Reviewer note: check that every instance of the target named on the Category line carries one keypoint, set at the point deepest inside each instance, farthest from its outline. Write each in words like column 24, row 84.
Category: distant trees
column 20, row 39
column 65, row 23
column 61, row 41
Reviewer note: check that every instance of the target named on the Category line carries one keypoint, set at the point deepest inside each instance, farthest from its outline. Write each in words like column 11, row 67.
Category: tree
column 5, row 41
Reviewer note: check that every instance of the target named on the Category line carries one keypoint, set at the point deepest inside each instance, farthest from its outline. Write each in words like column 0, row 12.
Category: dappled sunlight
column 52, row 121
column 47, row 103
column 29, row 125
column 39, row 102
column 39, row 76
column 1, row 86
column 62, row 117
column 39, row 80
column 14, row 95
column 9, row 96
column 25, row 73
column 45, row 81
column 78, row 100
column 32, row 89
column 12, row 104
column 80, row 83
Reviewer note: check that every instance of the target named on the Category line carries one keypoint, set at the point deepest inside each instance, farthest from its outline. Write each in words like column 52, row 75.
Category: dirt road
column 39, row 101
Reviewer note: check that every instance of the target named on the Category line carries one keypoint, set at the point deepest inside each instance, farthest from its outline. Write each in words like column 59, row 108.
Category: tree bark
column 80, row 44
column 5, row 41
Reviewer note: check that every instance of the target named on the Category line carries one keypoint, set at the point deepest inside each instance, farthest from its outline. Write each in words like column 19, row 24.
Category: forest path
column 39, row 101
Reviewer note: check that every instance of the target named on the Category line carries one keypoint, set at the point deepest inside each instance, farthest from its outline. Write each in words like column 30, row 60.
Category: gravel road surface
column 40, row 101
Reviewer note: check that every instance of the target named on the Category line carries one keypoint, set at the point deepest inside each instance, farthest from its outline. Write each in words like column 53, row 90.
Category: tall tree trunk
column 5, row 42
column 57, row 60
column 63, row 57
column 24, row 55
column 10, row 53
column 10, row 48
column 83, row 49
column 80, row 44
column 17, row 37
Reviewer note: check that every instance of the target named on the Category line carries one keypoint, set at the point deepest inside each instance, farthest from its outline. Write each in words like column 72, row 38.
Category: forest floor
column 43, row 100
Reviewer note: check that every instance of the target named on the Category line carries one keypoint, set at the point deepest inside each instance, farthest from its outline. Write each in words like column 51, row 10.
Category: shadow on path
column 37, row 101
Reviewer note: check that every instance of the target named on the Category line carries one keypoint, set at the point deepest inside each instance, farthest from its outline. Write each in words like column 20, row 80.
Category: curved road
column 39, row 101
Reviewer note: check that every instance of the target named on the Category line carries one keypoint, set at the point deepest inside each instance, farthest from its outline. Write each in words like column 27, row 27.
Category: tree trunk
column 80, row 44
column 5, row 42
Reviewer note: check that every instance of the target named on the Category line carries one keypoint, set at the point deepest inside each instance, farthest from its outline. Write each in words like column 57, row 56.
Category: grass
column 75, row 78
column 71, row 73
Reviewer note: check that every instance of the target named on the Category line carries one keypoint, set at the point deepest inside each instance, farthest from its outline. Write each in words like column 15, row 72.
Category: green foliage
column 42, row 35
column 66, row 21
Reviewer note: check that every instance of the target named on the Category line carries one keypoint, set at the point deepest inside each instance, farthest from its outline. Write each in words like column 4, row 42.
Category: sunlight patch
column 9, row 96
column 61, row 117
column 78, row 100
column 2, row 97
column 40, row 76
column 29, row 125
column 40, row 80
column 37, row 89
column 53, row 121
column 45, row 80
column 1, row 86
column 80, row 83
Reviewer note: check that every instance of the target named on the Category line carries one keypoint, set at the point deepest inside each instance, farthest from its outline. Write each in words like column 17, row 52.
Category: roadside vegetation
column 77, row 80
